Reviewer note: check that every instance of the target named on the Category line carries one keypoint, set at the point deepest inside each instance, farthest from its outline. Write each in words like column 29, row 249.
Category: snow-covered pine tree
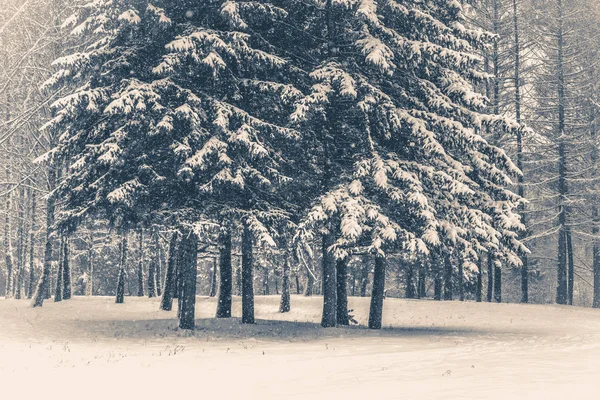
column 394, row 111
column 168, row 114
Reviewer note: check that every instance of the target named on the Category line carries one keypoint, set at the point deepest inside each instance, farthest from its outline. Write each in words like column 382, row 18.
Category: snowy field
column 91, row 348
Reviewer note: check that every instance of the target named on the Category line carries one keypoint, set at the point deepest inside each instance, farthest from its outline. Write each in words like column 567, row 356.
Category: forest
column 420, row 149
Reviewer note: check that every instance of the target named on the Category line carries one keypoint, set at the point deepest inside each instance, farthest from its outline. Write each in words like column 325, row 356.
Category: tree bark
column 497, row 284
column 213, row 279
column 43, row 287
column 247, row 277
column 479, row 288
column 120, row 297
column 490, row 274
column 67, row 288
column 284, row 305
column 421, row 283
column 571, row 265
column 376, row 309
column 310, row 283
column 166, row 302
column 266, row 290
column 461, row 281
column 140, row 270
column 189, row 271
column 226, row 278
column 364, row 277
column 437, row 278
column 410, row 292
column 342, row 292
column 18, row 287
column 298, row 289
column 561, row 287
column 7, row 242
column 58, row 291
column 329, row 316
column 448, row 281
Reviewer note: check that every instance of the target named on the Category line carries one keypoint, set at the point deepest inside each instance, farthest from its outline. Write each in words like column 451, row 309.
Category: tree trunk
column 284, row 305
column 189, row 271
column 7, row 242
column 298, row 289
column 18, row 287
column 571, row 266
column 410, row 292
column 247, row 277
column 266, row 290
column 140, row 270
column 58, row 291
column 238, row 281
column 226, row 278
column 561, row 287
column 43, row 287
column 166, row 302
column 478, row 289
column 497, row 284
column 461, row 281
column 120, row 297
column 89, row 288
column 364, row 276
column 310, row 283
column 213, row 279
column 490, row 274
column 376, row 309
column 448, row 281
column 342, row 292
column 67, row 288
column 158, row 265
column 437, row 278
column 329, row 317
column 421, row 284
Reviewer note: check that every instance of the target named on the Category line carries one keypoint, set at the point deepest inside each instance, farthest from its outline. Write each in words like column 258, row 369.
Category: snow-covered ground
column 91, row 348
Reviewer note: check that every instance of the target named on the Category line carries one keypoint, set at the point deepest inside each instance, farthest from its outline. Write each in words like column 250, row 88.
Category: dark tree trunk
column 189, row 271
column 448, row 281
column 421, row 285
column 524, row 280
column 490, row 277
column 329, row 317
column 89, row 287
column 140, row 270
column 571, row 266
column 437, row 278
column 478, row 289
column 561, row 287
column 342, row 292
column 18, row 287
column 461, row 283
column 120, row 297
column 166, row 302
column 410, row 292
column 158, row 265
column 179, row 274
column 376, row 309
column 497, row 284
column 266, row 290
column 247, row 277
column 58, row 291
column 310, row 283
column 284, row 305
column 226, row 278
column 364, row 276
column 298, row 289
column 67, row 288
